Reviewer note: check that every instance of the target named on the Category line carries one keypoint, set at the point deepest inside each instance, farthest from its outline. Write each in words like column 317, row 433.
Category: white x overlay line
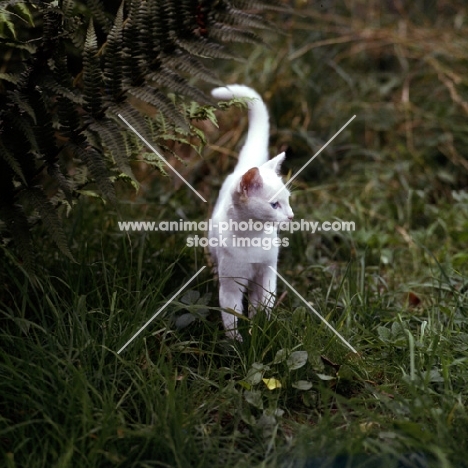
column 316, row 313
column 157, row 153
column 312, row 158
column 161, row 309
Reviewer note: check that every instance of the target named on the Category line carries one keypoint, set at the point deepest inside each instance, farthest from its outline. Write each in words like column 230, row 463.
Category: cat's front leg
column 231, row 292
column 263, row 291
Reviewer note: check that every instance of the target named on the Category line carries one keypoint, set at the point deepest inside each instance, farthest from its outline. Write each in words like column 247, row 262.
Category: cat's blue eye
column 274, row 205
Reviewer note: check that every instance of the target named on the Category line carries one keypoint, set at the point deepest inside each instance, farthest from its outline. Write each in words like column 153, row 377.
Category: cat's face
column 256, row 189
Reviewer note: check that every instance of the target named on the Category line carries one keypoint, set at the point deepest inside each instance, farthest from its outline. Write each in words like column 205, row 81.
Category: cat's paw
column 234, row 334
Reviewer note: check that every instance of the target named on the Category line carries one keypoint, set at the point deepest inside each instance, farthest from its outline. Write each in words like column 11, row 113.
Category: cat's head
column 262, row 194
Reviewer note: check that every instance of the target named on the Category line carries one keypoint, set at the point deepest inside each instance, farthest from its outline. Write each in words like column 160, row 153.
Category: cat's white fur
column 245, row 195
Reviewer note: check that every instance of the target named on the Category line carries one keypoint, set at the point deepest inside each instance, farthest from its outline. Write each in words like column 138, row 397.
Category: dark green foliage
column 37, row 198
column 89, row 61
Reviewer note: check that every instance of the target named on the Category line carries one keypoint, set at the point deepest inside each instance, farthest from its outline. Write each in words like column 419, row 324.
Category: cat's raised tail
column 255, row 150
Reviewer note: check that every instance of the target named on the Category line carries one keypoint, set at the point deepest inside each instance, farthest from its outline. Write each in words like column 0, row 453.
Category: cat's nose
column 291, row 215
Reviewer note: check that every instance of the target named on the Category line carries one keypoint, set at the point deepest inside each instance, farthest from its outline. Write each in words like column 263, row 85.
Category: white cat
column 246, row 196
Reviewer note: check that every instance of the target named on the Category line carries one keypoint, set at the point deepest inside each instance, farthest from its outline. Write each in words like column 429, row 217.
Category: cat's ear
column 275, row 163
column 251, row 181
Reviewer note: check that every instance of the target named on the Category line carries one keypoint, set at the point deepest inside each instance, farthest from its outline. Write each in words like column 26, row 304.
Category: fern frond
column 114, row 141
column 18, row 150
column 69, row 120
column 51, row 30
column 91, row 139
column 59, row 81
column 37, row 198
column 161, row 102
column 203, row 47
column 55, row 172
column 146, row 45
column 10, row 77
column 131, row 115
column 272, row 5
column 5, row 20
column 54, row 87
column 92, row 78
column 113, row 74
column 68, row 7
column 9, row 3
column 56, row 112
column 12, row 162
column 23, row 125
column 223, row 32
column 161, row 36
column 178, row 84
column 31, row 48
column 152, row 159
column 98, row 12
column 96, row 165
column 17, row 225
column 22, row 103
column 44, row 130
column 192, row 66
column 182, row 18
column 229, row 15
column 72, row 23
column 132, row 51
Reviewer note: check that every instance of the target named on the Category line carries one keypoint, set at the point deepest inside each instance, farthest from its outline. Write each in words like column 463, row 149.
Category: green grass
column 396, row 288
column 189, row 397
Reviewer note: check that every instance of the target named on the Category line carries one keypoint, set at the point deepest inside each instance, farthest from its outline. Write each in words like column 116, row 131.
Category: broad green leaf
column 297, row 359
column 205, row 299
column 384, row 333
column 248, row 418
column 23, row 8
column 435, row 376
column 302, row 385
column 255, row 373
column 190, row 297
column 316, row 362
column 254, row 397
column 184, row 321
column 325, row 377
column 246, row 385
column 397, row 329
column 280, row 356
